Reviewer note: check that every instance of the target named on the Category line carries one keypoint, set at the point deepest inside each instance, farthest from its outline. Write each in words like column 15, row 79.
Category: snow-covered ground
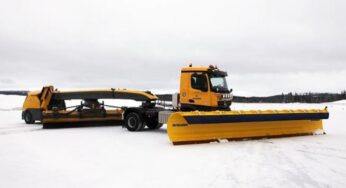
column 113, row 157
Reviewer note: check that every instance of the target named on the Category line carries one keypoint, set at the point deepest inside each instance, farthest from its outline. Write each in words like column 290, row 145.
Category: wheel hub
column 132, row 122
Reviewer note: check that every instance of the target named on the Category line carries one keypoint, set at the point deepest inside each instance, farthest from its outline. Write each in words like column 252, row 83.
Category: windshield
column 218, row 83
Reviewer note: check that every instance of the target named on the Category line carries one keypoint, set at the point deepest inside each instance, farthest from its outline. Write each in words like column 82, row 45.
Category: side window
column 199, row 81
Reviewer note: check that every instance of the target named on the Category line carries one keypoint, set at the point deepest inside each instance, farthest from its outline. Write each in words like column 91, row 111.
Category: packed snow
column 110, row 156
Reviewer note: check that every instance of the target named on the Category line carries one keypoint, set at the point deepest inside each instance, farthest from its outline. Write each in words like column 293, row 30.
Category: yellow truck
column 199, row 113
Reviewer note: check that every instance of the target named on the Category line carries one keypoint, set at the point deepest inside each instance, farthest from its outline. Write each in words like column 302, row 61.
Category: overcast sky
column 267, row 47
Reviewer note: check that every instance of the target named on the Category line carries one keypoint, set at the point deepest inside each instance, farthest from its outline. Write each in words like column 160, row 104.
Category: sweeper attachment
column 201, row 127
column 49, row 107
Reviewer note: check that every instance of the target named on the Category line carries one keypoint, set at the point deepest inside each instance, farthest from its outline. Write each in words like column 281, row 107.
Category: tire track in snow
column 322, row 154
column 294, row 167
column 18, row 129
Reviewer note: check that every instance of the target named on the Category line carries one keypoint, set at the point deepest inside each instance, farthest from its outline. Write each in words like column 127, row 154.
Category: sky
column 267, row 47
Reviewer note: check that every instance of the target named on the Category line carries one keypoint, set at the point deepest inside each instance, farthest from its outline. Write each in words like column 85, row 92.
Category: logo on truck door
column 183, row 94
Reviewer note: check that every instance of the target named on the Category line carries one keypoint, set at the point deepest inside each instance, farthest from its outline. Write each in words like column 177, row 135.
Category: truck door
column 199, row 91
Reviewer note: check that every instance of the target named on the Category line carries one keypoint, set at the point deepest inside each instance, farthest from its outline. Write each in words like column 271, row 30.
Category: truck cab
column 204, row 89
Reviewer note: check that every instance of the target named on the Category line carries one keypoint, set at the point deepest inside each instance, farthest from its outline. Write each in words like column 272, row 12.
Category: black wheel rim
column 27, row 117
column 132, row 122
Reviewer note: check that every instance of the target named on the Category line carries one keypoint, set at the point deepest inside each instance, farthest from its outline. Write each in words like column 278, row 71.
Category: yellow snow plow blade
column 203, row 127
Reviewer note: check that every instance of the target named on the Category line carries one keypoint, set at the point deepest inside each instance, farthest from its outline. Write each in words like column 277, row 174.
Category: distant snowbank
column 340, row 102
column 11, row 102
column 11, row 109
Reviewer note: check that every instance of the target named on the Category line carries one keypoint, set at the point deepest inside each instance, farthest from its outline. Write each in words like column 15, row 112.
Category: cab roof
column 210, row 69
column 195, row 69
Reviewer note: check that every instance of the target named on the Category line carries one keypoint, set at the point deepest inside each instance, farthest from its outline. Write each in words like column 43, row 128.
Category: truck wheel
column 154, row 125
column 28, row 118
column 134, row 122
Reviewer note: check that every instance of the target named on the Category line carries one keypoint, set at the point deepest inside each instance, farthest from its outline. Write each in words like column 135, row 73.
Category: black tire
column 154, row 125
column 134, row 122
column 28, row 118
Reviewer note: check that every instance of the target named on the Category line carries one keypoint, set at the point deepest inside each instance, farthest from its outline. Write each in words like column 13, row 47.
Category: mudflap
column 204, row 127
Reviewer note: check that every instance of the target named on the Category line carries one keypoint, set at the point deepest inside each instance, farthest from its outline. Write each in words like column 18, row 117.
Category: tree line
column 296, row 97
column 21, row 93
column 283, row 98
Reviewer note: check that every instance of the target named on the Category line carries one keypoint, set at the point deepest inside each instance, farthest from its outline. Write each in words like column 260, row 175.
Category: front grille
column 227, row 96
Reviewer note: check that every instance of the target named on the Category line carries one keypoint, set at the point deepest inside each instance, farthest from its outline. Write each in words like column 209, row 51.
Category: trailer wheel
column 134, row 122
column 154, row 125
column 28, row 118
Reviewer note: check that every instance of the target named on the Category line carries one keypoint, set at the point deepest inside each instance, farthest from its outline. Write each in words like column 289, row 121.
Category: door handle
column 191, row 100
